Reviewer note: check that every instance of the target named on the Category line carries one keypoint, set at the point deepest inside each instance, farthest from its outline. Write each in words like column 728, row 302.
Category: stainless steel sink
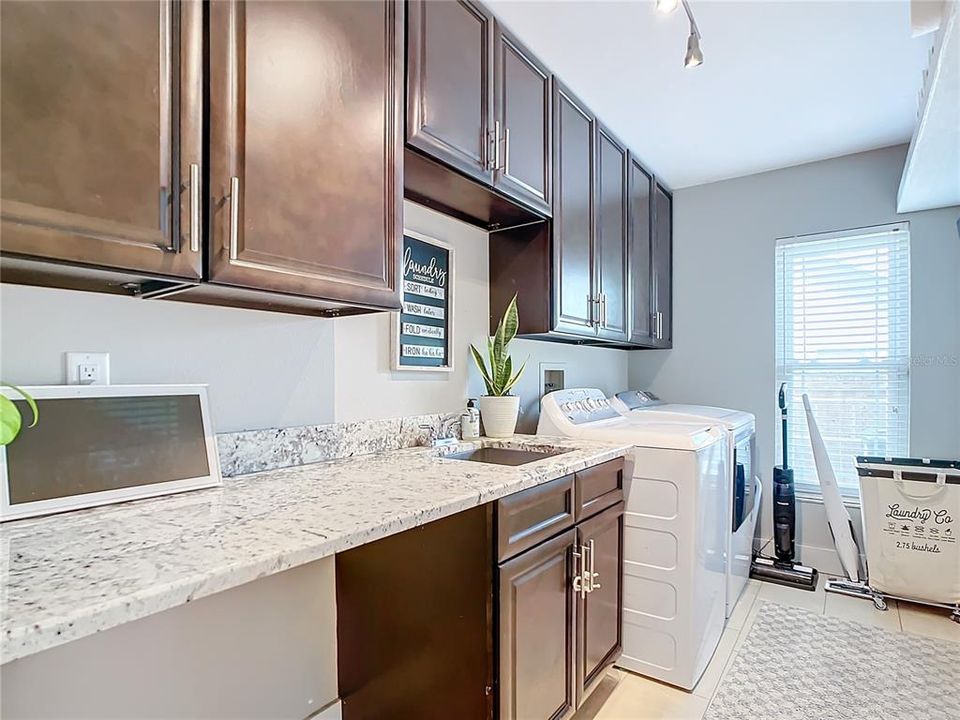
column 504, row 456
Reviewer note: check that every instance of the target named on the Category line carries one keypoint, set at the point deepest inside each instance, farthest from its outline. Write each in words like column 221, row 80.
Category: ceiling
column 782, row 83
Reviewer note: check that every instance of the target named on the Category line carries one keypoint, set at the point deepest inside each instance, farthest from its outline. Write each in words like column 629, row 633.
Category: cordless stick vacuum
column 782, row 569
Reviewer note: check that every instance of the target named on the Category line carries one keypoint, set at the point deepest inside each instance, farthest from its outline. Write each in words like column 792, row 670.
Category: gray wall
column 273, row 370
column 266, row 649
column 724, row 239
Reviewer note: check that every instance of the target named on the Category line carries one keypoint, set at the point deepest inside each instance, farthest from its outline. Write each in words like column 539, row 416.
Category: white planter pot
column 499, row 415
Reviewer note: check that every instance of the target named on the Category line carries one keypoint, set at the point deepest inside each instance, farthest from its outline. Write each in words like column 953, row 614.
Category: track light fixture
column 694, row 54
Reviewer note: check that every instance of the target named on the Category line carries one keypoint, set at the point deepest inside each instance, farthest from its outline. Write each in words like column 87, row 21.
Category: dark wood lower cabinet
column 599, row 628
column 560, row 614
column 537, row 640
column 431, row 625
column 415, row 622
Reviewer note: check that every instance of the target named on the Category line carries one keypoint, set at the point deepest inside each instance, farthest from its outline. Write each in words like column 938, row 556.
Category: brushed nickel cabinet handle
column 234, row 215
column 506, row 151
column 194, row 207
column 577, row 574
column 586, row 580
column 594, row 585
column 496, row 145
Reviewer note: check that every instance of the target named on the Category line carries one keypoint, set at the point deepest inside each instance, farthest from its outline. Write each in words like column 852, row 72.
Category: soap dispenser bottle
column 470, row 422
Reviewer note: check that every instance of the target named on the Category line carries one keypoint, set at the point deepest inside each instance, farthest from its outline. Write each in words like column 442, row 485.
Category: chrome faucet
column 433, row 438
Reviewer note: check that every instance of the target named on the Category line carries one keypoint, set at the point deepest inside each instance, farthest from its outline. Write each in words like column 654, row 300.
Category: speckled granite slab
column 256, row 450
column 68, row 576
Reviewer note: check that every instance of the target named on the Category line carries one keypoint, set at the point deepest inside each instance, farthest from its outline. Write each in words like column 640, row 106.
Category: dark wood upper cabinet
column 101, row 135
column 522, row 125
column 306, row 148
column 574, row 291
column 611, row 236
column 599, row 633
column 663, row 266
column 537, row 640
column 640, row 249
column 450, row 84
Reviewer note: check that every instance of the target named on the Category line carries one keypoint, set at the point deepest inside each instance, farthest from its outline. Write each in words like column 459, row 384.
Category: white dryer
column 674, row 575
column 744, row 485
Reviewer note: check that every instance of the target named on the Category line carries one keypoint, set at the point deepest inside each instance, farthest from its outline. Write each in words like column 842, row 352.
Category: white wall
column 273, row 370
column 724, row 240
column 366, row 387
column 264, row 369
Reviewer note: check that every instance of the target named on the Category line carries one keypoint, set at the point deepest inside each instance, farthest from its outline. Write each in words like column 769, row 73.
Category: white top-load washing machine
column 674, row 575
column 744, row 485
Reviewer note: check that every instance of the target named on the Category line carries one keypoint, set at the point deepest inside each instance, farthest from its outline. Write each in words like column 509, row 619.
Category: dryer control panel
column 581, row 405
column 638, row 399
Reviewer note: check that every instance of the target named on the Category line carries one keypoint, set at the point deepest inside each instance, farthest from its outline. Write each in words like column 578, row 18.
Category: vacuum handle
column 782, row 400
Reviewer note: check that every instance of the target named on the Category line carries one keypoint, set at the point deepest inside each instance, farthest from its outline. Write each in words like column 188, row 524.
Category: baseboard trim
column 330, row 712
column 826, row 560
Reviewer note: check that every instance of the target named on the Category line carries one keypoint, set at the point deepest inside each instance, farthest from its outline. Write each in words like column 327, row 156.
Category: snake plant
column 498, row 376
column 11, row 421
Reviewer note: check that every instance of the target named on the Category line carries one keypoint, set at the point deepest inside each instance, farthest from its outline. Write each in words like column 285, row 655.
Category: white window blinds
column 843, row 337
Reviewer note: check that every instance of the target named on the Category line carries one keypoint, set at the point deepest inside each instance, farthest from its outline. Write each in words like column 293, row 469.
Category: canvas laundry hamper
column 911, row 527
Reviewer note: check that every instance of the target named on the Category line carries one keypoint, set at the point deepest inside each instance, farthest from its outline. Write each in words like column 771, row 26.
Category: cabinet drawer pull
column 496, row 145
column 194, row 207
column 234, row 215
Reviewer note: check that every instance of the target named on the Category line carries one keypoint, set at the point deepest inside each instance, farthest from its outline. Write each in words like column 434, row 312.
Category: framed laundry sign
column 423, row 329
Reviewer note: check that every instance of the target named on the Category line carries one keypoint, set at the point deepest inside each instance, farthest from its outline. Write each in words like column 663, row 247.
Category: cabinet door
column 449, row 84
column 537, row 641
column 599, row 635
column 663, row 266
column 101, row 123
column 305, row 145
column 641, row 278
column 611, row 236
column 523, row 110
column 573, row 148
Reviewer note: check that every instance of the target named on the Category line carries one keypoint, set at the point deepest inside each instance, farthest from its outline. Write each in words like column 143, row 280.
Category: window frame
column 809, row 488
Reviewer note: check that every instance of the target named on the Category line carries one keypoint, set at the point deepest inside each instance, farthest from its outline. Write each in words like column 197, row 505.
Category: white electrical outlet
column 87, row 368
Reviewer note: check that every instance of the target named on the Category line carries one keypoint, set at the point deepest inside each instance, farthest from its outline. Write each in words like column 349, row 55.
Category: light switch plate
column 88, row 368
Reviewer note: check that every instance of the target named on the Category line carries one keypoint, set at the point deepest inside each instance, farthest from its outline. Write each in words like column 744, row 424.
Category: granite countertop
column 68, row 576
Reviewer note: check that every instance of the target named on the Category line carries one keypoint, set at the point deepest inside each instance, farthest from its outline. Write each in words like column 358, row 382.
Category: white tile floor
column 626, row 696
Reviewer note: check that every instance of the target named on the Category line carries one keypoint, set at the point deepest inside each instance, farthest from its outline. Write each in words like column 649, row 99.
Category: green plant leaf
column 499, row 349
column 481, row 366
column 30, row 401
column 504, row 377
column 506, row 331
column 10, row 421
column 511, row 322
column 513, row 380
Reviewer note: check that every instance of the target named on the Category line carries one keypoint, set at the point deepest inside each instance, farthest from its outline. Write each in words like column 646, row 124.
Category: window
column 843, row 337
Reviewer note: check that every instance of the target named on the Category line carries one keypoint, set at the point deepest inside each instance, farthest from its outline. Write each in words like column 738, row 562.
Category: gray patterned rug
column 796, row 665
